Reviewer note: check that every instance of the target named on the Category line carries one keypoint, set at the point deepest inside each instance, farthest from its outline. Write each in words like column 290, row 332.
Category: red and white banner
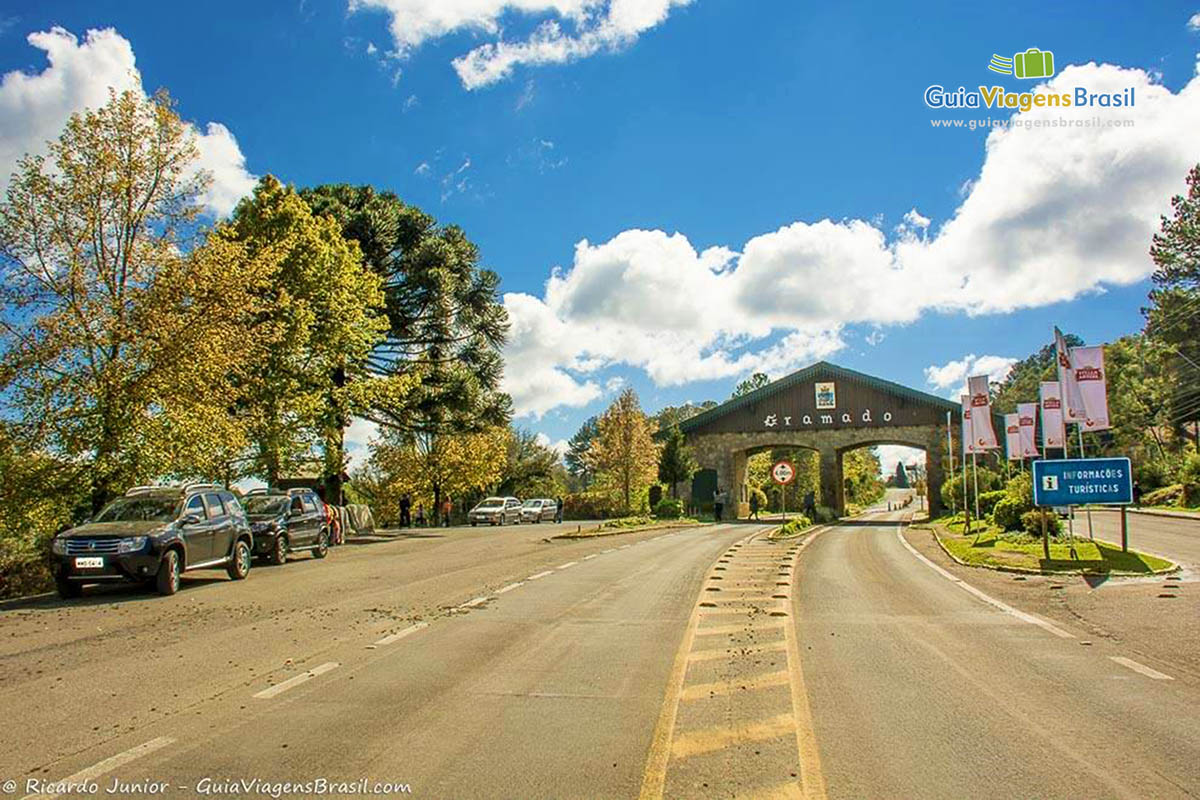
column 1027, row 416
column 1093, row 386
column 1073, row 409
column 1054, row 432
column 1012, row 436
column 968, row 435
column 981, row 413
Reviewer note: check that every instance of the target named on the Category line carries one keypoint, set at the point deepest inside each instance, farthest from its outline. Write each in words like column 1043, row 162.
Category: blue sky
column 738, row 126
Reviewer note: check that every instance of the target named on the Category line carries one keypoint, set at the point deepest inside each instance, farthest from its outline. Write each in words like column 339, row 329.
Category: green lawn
column 992, row 549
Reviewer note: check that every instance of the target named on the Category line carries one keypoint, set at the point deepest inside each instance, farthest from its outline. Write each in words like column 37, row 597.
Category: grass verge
column 995, row 549
column 791, row 529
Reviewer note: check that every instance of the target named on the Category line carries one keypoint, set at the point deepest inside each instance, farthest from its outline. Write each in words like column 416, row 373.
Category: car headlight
column 58, row 546
column 132, row 545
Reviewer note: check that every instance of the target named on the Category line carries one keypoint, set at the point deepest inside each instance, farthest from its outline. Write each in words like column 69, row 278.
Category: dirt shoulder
column 1158, row 617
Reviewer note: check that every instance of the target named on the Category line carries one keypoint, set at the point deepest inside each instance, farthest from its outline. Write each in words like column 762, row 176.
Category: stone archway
column 825, row 408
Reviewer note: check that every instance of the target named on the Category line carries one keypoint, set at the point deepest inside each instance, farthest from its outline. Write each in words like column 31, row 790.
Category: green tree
column 901, row 479
column 623, row 454
column 675, row 461
column 1023, row 382
column 577, row 449
column 756, row 381
column 117, row 339
column 324, row 317
column 529, row 467
column 860, row 475
column 446, row 323
column 674, row 415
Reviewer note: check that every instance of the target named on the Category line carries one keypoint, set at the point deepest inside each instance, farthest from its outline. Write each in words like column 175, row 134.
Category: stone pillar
column 739, row 491
column 934, row 474
column 831, row 479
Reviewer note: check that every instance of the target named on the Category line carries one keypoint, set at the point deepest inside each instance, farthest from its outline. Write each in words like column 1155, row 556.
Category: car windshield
column 532, row 503
column 491, row 502
column 140, row 509
column 261, row 504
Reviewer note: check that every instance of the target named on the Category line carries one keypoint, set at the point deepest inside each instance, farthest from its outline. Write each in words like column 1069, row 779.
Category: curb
column 1150, row 512
column 622, row 531
column 13, row 602
column 1028, row 571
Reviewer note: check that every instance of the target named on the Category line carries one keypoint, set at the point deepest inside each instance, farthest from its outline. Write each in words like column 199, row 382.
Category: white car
column 539, row 510
column 496, row 511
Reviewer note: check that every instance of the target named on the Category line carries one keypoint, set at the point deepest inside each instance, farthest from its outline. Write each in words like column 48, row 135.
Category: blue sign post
column 1083, row 481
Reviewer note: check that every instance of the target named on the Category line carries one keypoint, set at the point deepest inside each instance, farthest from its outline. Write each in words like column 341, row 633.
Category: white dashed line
column 622, row 547
column 478, row 601
column 395, row 637
column 540, row 575
column 1142, row 668
column 568, row 564
column 589, row 558
column 1005, row 607
column 510, row 587
column 107, row 765
column 292, row 683
column 609, row 550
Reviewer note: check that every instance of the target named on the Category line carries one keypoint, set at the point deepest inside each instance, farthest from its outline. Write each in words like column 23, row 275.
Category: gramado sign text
column 819, row 419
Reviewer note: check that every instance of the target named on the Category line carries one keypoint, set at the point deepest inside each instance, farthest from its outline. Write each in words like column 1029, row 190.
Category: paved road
column 1176, row 538
column 491, row 663
column 919, row 689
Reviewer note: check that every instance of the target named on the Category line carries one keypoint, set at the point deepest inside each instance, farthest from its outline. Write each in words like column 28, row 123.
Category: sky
column 678, row 193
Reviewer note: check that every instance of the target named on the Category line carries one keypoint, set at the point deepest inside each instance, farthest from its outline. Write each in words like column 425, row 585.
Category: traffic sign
column 783, row 472
column 1083, row 481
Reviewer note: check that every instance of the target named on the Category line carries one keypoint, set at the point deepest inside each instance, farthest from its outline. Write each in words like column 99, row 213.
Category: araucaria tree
column 116, row 335
column 675, row 462
column 623, row 455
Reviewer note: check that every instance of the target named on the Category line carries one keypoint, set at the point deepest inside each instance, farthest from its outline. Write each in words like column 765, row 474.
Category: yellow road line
column 724, row 652
column 699, row 691
column 735, row 629
column 812, row 780
column 695, row 743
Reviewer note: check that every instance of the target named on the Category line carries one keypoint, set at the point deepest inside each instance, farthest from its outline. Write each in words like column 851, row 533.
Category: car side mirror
column 190, row 519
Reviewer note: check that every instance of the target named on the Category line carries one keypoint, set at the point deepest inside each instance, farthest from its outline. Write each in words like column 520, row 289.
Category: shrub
column 988, row 500
column 1189, row 476
column 795, row 526
column 669, row 508
column 589, row 505
column 1007, row 514
column 1166, row 496
column 656, row 494
column 1031, row 521
column 825, row 515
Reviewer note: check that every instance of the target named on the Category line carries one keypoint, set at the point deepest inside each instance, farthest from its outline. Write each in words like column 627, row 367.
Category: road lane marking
column 622, row 547
column 510, row 587
column 409, row 631
column 725, row 652
column 567, row 565
column 987, row 598
column 291, row 683
column 1142, row 668
column 589, row 558
column 107, row 765
column 609, row 550
column 700, row 691
column 540, row 575
column 736, row 629
column 698, row 742
column 478, row 601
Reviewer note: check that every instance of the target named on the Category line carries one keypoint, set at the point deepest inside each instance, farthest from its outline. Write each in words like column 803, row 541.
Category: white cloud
column 591, row 27
column 1055, row 213
column 560, row 447
column 35, row 106
column 422, row 169
column 1194, row 23
column 357, row 440
column 951, row 377
column 892, row 454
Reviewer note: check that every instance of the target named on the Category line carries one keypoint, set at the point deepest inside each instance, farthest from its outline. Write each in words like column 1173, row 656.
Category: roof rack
column 193, row 487
column 146, row 489
column 261, row 490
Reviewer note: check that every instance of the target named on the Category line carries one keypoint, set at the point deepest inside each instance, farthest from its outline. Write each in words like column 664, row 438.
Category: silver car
column 496, row 511
column 539, row 510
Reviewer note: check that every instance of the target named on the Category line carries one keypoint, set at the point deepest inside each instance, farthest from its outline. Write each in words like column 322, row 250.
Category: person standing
column 754, row 505
column 718, row 504
column 405, row 512
column 447, row 507
column 558, row 507
column 421, row 515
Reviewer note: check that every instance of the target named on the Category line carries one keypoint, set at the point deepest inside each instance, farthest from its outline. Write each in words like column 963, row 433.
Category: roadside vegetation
column 792, row 528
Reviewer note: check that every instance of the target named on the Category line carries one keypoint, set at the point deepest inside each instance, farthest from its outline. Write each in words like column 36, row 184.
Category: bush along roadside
column 991, row 546
column 629, row 525
column 792, row 528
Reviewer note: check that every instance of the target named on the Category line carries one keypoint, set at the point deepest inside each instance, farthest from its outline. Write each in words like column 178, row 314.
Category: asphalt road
column 492, row 663
column 1175, row 538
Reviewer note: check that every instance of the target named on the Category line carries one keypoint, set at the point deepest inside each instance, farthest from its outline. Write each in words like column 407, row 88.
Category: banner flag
column 1027, row 419
column 1012, row 436
column 1091, row 380
column 968, row 435
column 1054, row 432
column 981, row 413
column 1072, row 400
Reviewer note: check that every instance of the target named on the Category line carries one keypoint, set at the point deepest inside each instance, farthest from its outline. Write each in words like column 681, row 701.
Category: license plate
column 89, row 562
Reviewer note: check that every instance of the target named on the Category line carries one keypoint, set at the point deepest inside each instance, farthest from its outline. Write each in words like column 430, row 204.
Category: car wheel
column 279, row 552
column 167, row 582
column 68, row 589
column 322, row 545
column 239, row 566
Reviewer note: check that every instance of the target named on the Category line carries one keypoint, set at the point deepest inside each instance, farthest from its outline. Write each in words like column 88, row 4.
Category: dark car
column 152, row 535
column 283, row 522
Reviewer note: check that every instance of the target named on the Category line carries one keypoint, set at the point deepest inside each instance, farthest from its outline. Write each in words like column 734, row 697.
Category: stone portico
column 825, row 408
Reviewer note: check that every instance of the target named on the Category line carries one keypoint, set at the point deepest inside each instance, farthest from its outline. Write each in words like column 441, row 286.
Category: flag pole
column 950, row 452
column 1079, row 433
column 975, row 472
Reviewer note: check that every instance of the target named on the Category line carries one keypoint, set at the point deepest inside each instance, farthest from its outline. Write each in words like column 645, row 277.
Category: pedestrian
column 447, row 507
column 718, row 504
column 405, row 512
column 558, row 505
column 754, row 505
column 421, row 515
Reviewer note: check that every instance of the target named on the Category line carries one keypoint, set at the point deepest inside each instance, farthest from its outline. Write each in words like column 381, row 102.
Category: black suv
column 152, row 535
column 287, row 521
